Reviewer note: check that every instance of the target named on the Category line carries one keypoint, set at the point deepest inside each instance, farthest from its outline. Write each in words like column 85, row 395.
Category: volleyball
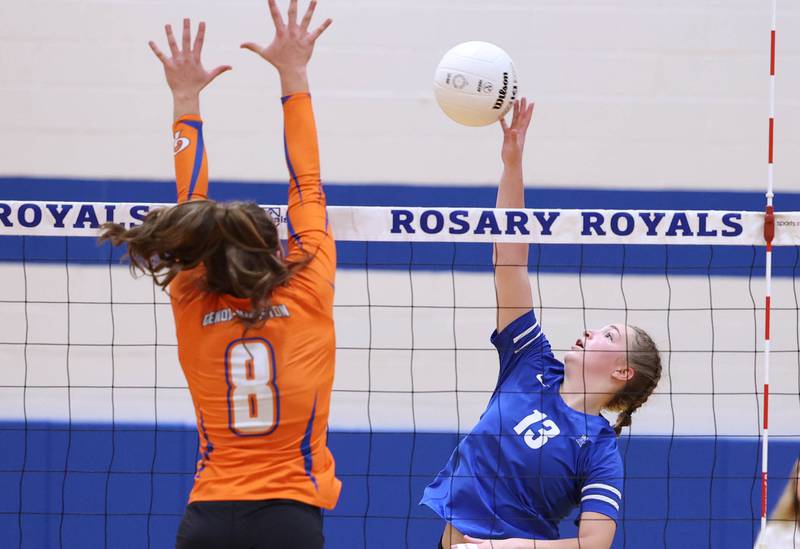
column 475, row 83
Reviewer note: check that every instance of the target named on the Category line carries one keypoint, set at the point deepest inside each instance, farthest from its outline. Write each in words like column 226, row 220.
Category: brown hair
column 788, row 508
column 237, row 242
column 644, row 358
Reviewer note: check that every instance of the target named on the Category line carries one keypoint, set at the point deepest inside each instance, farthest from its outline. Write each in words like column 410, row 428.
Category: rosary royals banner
column 388, row 224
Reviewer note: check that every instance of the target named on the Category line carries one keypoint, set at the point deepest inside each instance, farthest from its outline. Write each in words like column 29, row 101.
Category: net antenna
column 769, row 234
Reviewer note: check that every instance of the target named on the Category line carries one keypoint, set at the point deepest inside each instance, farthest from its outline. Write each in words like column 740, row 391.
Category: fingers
column 527, row 117
column 277, row 18
column 219, row 70
column 292, row 14
column 199, row 39
column 316, row 34
column 309, row 14
column 252, row 46
column 159, row 54
column 187, row 35
column 504, row 125
column 173, row 45
column 519, row 112
column 523, row 113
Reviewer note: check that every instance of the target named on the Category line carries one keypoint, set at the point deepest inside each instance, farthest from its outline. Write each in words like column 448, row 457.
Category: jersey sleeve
column 191, row 165
column 310, row 234
column 191, row 182
column 601, row 491
column 523, row 341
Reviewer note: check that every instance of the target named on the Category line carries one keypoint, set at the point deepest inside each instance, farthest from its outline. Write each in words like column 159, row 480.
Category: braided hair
column 644, row 358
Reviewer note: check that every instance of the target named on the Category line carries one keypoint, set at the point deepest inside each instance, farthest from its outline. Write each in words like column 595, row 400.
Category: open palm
column 184, row 70
column 293, row 43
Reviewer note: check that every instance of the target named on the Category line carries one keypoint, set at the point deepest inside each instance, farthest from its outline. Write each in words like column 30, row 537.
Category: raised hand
column 293, row 44
column 185, row 73
column 514, row 135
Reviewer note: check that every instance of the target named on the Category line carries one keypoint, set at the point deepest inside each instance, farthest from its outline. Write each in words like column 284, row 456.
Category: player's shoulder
column 596, row 434
column 603, row 445
column 521, row 334
column 523, row 322
column 309, row 289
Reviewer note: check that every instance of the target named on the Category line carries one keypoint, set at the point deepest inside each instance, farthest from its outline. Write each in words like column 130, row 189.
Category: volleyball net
column 97, row 426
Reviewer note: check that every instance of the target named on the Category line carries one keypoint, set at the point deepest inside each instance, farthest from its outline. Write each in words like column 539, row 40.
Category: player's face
column 600, row 352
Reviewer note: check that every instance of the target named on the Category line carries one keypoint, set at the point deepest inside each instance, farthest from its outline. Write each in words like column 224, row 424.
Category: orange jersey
column 262, row 398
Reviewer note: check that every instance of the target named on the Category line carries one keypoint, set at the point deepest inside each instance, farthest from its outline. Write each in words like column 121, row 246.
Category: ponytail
column 644, row 358
column 623, row 420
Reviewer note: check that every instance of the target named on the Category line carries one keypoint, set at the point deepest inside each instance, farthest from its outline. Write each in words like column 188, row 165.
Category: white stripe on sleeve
column 526, row 332
column 528, row 343
column 604, row 499
column 603, row 487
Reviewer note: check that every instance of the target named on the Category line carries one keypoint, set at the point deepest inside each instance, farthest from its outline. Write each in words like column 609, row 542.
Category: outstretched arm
column 186, row 78
column 289, row 52
column 512, row 285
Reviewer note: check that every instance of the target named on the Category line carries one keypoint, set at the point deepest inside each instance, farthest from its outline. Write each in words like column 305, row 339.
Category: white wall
column 630, row 93
column 711, row 383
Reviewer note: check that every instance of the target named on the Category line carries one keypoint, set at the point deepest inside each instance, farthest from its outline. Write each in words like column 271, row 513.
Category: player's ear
column 624, row 372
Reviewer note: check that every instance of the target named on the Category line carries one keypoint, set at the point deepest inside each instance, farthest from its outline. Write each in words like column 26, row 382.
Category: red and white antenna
column 769, row 233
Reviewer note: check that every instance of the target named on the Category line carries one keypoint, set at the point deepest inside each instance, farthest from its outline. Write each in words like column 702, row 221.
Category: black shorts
column 267, row 524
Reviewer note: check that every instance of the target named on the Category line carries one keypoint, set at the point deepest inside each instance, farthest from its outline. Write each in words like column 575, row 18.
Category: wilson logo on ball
column 501, row 95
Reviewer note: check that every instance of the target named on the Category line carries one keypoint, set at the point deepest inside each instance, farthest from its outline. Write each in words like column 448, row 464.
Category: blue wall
column 84, row 486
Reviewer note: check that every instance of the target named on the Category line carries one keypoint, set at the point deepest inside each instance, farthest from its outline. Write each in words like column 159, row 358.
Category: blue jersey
column 531, row 459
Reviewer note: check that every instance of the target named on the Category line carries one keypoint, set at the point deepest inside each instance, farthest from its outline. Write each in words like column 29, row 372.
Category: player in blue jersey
column 541, row 447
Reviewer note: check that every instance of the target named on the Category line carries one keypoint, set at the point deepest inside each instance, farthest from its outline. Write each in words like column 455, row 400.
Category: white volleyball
column 475, row 83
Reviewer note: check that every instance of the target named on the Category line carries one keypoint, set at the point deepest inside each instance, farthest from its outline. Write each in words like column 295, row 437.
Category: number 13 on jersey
column 547, row 431
column 253, row 404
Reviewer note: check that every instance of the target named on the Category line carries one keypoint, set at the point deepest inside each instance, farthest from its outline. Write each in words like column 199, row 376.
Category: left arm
column 186, row 78
column 596, row 532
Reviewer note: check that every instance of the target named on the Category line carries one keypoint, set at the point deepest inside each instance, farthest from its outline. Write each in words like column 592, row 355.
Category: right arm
column 512, row 284
column 290, row 52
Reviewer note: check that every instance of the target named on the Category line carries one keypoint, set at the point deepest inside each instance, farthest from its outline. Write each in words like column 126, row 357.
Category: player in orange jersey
column 254, row 325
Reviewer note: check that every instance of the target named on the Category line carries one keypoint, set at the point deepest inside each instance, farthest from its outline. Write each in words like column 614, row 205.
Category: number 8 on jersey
column 252, row 394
